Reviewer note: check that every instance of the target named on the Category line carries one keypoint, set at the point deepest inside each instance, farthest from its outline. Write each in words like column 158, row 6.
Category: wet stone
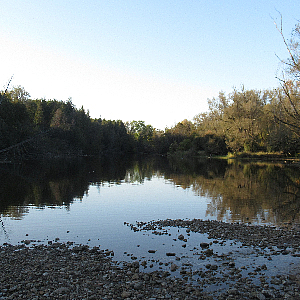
column 151, row 251
column 67, row 271
column 204, row 245
column 181, row 237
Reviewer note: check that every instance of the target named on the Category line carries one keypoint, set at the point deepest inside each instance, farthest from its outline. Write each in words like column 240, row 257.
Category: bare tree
column 289, row 97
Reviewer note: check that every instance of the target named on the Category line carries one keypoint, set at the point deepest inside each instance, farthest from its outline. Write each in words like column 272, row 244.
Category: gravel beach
column 68, row 271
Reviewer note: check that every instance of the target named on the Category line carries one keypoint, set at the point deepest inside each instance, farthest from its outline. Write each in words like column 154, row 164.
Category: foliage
column 19, row 94
column 240, row 121
column 246, row 120
column 142, row 135
column 60, row 128
column 15, row 124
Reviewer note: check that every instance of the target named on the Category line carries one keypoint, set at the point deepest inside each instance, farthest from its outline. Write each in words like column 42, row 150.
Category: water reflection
column 54, row 183
column 268, row 192
column 256, row 192
column 247, row 192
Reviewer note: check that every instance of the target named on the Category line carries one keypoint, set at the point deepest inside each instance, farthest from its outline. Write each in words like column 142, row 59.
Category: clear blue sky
column 154, row 60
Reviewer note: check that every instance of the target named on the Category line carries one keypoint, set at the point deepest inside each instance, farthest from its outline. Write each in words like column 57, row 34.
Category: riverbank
column 68, row 271
column 269, row 157
column 262, row 156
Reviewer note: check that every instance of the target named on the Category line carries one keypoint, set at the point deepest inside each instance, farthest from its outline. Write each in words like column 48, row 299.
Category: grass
column 259, row 155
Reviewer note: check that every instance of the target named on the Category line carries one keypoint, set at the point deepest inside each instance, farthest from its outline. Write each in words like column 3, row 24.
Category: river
column 89, row 201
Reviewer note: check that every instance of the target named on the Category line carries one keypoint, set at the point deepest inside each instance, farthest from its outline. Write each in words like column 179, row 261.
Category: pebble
column 247, row 282
column 65, row 271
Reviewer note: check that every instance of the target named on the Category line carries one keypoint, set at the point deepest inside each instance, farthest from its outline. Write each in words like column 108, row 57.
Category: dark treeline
column 242, row 121
column 57, row 128
column 52, row 128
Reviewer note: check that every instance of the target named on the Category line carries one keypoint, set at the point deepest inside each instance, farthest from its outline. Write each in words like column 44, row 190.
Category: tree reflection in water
column 247, row 192
column 54, row 183
column 237, row 191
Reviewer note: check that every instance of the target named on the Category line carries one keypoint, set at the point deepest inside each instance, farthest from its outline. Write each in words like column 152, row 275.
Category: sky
column 152, row 60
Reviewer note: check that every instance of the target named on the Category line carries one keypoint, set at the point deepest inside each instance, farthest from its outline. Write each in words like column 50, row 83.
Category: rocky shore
column 68, row 271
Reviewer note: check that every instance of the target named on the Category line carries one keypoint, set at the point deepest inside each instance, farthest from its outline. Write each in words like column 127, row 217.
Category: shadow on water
column 54, row 183
column 246, row 192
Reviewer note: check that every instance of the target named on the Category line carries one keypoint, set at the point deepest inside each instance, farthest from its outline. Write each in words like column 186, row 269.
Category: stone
column 181, row 237
column 135, row 276
column 125, row 294
column 204, row 245
column 62, row 290
column 55, row 271
column 138, row 285
column 173, row 267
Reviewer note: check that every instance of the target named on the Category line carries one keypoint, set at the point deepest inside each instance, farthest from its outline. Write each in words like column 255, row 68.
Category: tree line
column 241, row 121
column 56, row 128
column 244, row 120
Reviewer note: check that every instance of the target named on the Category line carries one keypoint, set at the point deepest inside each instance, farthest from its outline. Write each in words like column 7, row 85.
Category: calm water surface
column 88, row 201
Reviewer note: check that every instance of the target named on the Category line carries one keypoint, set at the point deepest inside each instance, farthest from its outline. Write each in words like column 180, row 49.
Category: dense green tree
column 15, row 124
column 245, row 119
column 142, row 135
column 140, row 130
column 56, row 128
column 18, row 93
column 183, row 128
column 241, row 120
column 39, row 115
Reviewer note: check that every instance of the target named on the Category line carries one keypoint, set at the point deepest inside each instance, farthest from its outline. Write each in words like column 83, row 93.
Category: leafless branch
column 9, row 83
